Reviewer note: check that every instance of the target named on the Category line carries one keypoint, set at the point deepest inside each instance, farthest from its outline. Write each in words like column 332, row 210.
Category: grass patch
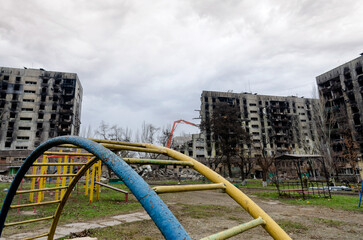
column 77, row 208
column 291, row 226
column 143, row 230
column 341, row 202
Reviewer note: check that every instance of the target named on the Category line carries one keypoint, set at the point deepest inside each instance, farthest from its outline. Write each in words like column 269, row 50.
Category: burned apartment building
column 36, row 105
column 275, row 124
column 341, row 93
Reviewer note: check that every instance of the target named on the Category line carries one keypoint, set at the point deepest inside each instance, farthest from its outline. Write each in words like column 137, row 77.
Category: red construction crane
column 174, row 127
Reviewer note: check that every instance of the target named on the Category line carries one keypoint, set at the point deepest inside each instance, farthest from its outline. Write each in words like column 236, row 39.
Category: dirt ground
column 207, row 212
column 298, row 221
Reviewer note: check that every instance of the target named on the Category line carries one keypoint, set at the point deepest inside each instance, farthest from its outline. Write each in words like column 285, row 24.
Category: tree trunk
column 264, row 178
column 229, row 167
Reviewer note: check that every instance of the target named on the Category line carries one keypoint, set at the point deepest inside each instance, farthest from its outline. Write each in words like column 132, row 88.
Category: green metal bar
column 49, row 175
column 28, row 221
column 39, row 190
column 235, row 230
column 157, row 162
column 34, row 204
column 184, row 188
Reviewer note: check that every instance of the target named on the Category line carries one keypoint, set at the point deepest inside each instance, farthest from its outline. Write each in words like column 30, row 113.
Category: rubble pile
column 4, row 178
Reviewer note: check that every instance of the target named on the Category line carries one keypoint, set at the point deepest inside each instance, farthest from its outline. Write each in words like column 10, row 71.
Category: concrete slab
column 110, row 223
column 127, row 218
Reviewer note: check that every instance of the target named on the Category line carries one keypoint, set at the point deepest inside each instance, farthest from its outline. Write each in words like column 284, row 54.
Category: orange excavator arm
column 174, row 127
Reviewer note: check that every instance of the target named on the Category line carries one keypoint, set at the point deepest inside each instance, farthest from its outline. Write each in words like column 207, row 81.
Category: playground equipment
column 154, row 206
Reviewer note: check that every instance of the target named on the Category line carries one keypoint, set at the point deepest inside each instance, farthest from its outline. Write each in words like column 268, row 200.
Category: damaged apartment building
column 36, row 105
column 341, row 92
column 276, row 124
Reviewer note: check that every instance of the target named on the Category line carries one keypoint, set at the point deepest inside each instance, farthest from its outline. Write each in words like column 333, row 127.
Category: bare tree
column 245, row 160
column 265, row 161
column 165, row 135
column 227, row 132
column 103, row 131
column 324, row 122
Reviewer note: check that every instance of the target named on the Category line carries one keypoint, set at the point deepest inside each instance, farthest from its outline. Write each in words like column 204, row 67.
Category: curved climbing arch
column 154, row 206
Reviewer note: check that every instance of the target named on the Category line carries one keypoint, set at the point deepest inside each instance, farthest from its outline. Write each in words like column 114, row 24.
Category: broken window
column 43, row 98
column 7, row 144
column 12, row 115
column 40, row 115
column 16, row 87
column 6, row 77
column 18, row 79
column 41, row 107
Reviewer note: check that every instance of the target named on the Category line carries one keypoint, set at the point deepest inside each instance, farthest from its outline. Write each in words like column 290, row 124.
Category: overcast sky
column 150, row 60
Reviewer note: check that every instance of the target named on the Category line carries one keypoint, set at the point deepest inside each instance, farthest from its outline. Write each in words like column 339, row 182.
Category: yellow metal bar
column 32, row 185
column 130, row 148
column 49, row 175
column 157, row 162
column 64, row 179
column 59, row 210
column 87, row 183
column 28, row 221
column 39, row 190
column 69, row 153
column 119, row 143
column 92, row 183
column 42, row 180
column 59, row 164
column 71, row 169
column 252, row 208
column 39, row 236
column 58, row 181
column 235, row 230
column 33, row 204
column 184, row 188
column 98, row 187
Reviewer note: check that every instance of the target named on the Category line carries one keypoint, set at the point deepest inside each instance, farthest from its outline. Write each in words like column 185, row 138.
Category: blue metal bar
column 154, row 206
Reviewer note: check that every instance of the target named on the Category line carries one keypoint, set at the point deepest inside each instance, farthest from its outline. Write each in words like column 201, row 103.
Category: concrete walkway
column 67, row 229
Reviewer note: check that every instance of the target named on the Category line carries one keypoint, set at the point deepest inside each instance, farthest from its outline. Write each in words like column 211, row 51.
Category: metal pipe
column 39, row 190
column 235, row 230
column 39, row 236
column 34, row 204
column 157, row 162
column 136, row 149
column 59, row 164
column 49, row 175
column 68, row 154
column 184, row 188
column 28, row 221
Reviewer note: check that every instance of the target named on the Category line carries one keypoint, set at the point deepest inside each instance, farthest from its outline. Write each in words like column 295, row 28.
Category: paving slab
column 110, row 223
column 127, row 218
